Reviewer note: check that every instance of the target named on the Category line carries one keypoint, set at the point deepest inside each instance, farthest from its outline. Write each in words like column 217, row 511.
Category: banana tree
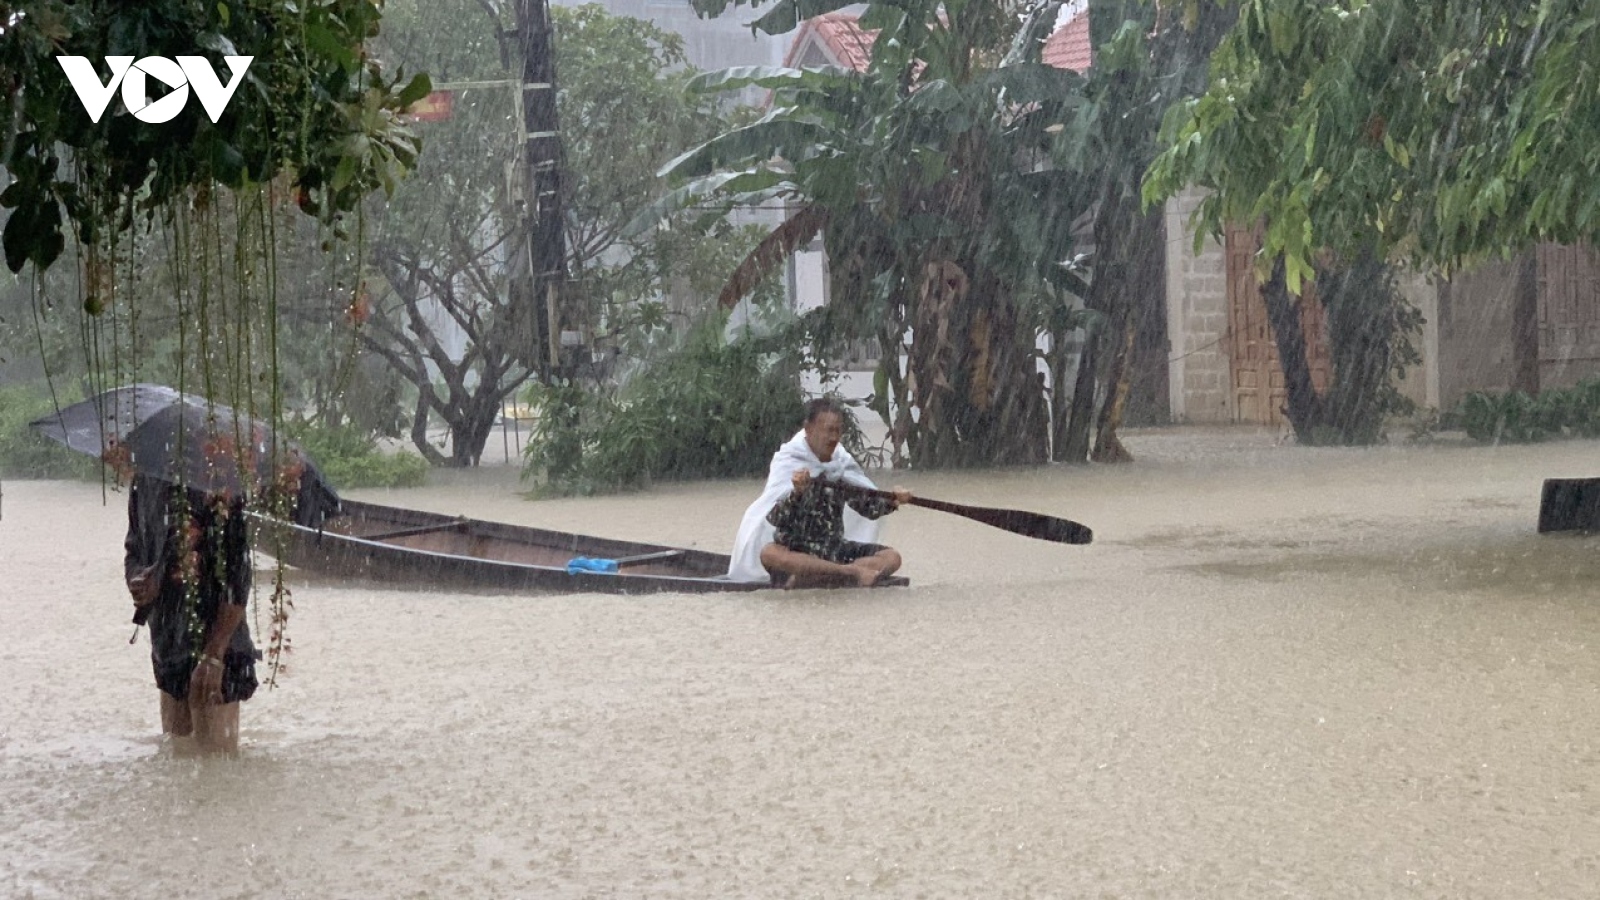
column 927, row 177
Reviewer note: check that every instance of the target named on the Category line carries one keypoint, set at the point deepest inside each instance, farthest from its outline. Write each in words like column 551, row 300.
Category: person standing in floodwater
column 187, row 566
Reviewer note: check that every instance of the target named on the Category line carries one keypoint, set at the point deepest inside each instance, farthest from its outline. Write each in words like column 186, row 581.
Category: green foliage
column 933, row 160
column 710, row 410
column 624, row 112
column 1370, row 327
column 314, row 105
column 24, row 453
column 1443, row 132
column 443, row 243
column 350, row 458
column 1515, row 417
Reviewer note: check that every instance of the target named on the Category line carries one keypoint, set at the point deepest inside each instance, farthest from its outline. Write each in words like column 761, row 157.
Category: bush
column 709, row 410
column 24, row 453
column 350, row 458
column 1515, row 417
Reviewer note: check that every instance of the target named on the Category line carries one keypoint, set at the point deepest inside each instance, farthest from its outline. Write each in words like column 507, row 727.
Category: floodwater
column 1279, row 672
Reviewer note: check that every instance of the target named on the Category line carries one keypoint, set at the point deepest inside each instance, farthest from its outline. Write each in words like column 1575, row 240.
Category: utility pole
column 539, row 266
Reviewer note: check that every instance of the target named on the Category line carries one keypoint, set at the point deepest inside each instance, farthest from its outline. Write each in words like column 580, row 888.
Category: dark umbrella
column 182, row 439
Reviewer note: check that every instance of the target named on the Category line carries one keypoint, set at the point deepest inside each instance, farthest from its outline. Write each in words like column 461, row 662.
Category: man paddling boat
column 804, row 532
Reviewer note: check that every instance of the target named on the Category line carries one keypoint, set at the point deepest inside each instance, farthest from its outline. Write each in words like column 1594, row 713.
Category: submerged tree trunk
column 971, row 365
column 1303, row 406
column 1369, row 328
column 469, row 419
column 1107, row 448
column 419, row 433
column 469, row 433
column 1128, row 242
column 978, row 399
column 1137, row 270
column 1108, row 295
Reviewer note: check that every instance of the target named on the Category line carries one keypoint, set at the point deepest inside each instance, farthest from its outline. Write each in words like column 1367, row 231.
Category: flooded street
column 1278, row 672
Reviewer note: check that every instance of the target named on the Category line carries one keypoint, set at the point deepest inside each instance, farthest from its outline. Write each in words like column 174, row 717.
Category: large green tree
column 1360, row 135
column 1434, row 132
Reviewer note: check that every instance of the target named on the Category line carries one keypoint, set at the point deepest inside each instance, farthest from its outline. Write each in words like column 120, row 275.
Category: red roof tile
column 842, row 38
column 1068, row 47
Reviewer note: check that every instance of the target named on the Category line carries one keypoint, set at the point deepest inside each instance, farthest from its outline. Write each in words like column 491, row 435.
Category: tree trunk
column 1106, row 295
column 978, row 399
column 1304, row 409
column 419, row 431
column 1135, row 265
column 935, row 329
column 1004, row 420
column 976, row 394
column 1107, row 447
column 897, row 404
column 468, row 437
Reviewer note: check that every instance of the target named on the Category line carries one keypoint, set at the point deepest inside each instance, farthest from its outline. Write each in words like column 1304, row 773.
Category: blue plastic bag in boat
column 585, row 564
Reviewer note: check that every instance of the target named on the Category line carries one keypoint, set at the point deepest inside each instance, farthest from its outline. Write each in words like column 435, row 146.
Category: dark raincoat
column 158, row 527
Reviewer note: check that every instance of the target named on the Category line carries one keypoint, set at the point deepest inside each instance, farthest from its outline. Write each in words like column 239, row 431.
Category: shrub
column 1515, row 417
column 350, row 458
column 709, row 410
column 24, row 453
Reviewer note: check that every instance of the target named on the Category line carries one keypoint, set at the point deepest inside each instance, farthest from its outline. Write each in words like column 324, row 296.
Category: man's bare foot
column 867, row 576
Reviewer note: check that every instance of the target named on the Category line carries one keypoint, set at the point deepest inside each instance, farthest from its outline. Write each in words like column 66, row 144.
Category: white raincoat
column 755, row 532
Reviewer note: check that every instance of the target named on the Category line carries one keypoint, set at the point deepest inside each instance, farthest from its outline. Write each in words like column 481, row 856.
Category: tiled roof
column 842, row 37
column 1068, row 47
column 850, row 46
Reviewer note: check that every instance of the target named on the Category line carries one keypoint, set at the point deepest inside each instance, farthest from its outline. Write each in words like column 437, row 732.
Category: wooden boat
column 431, row 550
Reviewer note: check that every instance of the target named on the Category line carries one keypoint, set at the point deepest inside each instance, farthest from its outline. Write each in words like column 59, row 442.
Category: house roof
column 840, row 38
column 1068, row 47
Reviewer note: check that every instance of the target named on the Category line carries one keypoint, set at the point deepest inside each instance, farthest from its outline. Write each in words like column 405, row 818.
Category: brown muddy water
column 1279, row 672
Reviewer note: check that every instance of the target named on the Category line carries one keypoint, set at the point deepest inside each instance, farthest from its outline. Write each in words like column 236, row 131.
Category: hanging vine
column 172, row 231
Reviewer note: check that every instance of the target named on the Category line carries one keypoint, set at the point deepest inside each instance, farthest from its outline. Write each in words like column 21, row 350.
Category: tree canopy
column 1437, row 132
column 314, row 105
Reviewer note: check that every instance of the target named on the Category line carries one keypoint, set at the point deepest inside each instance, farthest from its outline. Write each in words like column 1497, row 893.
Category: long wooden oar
column 1016, row 521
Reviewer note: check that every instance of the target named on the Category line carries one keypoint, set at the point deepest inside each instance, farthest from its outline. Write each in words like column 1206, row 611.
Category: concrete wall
column 1200, row 384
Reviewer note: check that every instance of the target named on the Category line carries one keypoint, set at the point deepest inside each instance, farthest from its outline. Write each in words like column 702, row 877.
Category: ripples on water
column 1279, row 672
